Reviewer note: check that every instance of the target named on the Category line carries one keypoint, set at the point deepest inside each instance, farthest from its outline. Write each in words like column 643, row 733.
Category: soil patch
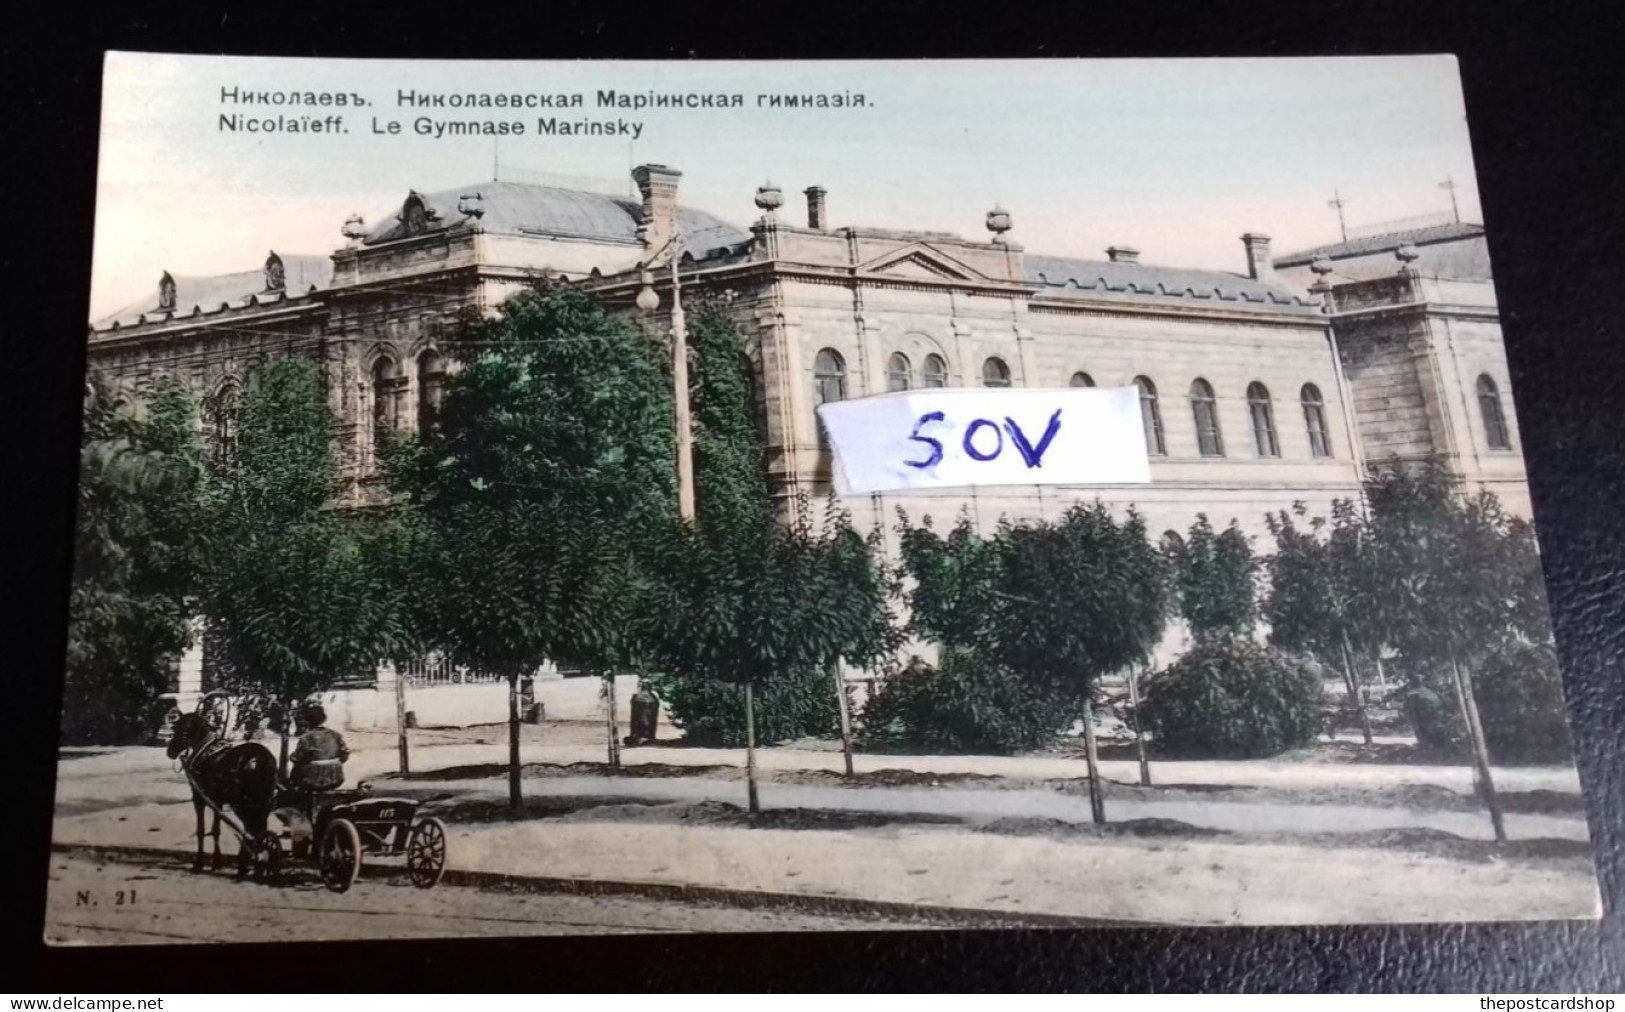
column 1541, row 801
column 486, row 810
column 490, row 771
column 1141, row 828
column 1437, row 843
column 69, row 752
column 884, row 778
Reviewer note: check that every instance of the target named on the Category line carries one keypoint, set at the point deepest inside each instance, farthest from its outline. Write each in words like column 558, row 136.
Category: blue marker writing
column 1034, row 456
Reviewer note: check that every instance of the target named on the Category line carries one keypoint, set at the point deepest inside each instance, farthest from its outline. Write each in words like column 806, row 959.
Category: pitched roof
column 1385, row 243
column 302, row 273
column 528, row 209
column 1064, row 276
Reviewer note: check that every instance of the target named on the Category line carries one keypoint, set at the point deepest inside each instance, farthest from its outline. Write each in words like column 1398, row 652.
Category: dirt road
column 161, row 902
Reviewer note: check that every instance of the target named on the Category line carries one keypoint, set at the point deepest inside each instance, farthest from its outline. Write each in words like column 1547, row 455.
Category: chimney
column 1259, row 266
column 658, row 185
column 815, row 208
column 1123, row 254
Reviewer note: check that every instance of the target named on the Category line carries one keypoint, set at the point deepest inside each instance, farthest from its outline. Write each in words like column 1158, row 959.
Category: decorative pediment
column 921, row 262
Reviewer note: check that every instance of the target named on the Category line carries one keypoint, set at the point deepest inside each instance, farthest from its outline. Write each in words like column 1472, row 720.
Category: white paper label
column 923, row 439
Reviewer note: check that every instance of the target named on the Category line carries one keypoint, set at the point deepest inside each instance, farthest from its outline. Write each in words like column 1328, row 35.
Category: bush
column 113, row 704
column 713, row 713
column 1520, row 701
column 1234, row 700
column 1430, row 706
column 968, row 705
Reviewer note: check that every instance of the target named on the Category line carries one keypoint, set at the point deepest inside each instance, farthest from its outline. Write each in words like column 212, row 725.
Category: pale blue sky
column 1175, row 157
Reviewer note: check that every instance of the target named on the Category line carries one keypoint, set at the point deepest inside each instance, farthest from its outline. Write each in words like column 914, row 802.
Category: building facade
column 1259, row 389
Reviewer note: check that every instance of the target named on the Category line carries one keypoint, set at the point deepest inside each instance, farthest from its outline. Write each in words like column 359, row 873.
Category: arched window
column 1314, row 419
column 431, row 385
column 223, row 419
column 934, row 373
column 1206, row 411
column 1151, row 417
column 1495, row 420
column 383, row 400
column 899, row 376
column 995, row 373
column 1082, row 379
column 829, row 377
column 1263, row 416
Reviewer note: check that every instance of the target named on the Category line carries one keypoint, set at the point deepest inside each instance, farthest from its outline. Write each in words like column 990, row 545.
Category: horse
column 241, row 777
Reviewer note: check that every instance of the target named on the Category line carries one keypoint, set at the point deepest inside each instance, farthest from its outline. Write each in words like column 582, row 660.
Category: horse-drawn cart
column 334, row 829
column 277, row 826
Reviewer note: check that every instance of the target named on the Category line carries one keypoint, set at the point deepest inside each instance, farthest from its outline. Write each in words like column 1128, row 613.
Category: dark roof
column 302, row 273
column 1367, row 245
column 528, row 209
column 1064, row 276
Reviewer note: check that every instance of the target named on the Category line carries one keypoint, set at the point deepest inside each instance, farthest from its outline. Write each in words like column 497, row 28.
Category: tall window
column 898, row 373
column 1263, row 416
column 995, row 373
column 935, row 372
column 431, row 385
column 1082, row 379
column 1314, row 419
column 829, row 377
column 1206, row 411
column 1151, row 417
column 223, row 419
column 383, row 400
column 1495, row 420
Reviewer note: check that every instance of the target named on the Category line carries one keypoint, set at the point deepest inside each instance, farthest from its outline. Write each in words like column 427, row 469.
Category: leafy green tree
column 292, row 582
column 1215, row 580
column 1086, row 601
column 756, row 605
column 957, row 598
column 134, row 563
column 1319, row 586
column 1057, row 604
column 546, row 465
column 1456, row 584
column 730, row 467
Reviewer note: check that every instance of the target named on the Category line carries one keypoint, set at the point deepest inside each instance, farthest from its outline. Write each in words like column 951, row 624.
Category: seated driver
column 318, row 759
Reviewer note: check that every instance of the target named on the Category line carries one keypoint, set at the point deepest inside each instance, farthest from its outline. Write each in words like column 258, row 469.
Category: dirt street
column 160, row 901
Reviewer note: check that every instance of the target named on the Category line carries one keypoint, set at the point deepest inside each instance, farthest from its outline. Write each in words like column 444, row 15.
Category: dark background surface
column 1544, row 102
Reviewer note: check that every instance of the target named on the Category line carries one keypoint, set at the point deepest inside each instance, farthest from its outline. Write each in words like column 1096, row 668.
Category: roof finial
column 998, row 222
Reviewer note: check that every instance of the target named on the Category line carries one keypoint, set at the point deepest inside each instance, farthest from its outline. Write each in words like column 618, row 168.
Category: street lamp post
column 648, row 301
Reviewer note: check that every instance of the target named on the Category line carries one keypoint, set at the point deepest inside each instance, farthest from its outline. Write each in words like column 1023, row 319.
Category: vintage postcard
column 542, row 498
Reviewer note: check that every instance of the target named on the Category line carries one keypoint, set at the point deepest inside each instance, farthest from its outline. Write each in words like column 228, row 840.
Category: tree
column 292, row 581
column 130, row 601
column 1319, row 579
column 1215, row 581
column 544, row 469
column 753, row 605
column 1085, row 597
column 1058, row 604
column 1456, row 583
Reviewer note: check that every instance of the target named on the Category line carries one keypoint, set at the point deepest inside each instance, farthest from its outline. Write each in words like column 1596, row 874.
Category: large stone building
column 1259, row 388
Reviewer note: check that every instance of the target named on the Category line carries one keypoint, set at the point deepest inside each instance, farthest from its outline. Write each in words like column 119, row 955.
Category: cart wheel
column 268, row 858
column 426, row 853
column 340, row 859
